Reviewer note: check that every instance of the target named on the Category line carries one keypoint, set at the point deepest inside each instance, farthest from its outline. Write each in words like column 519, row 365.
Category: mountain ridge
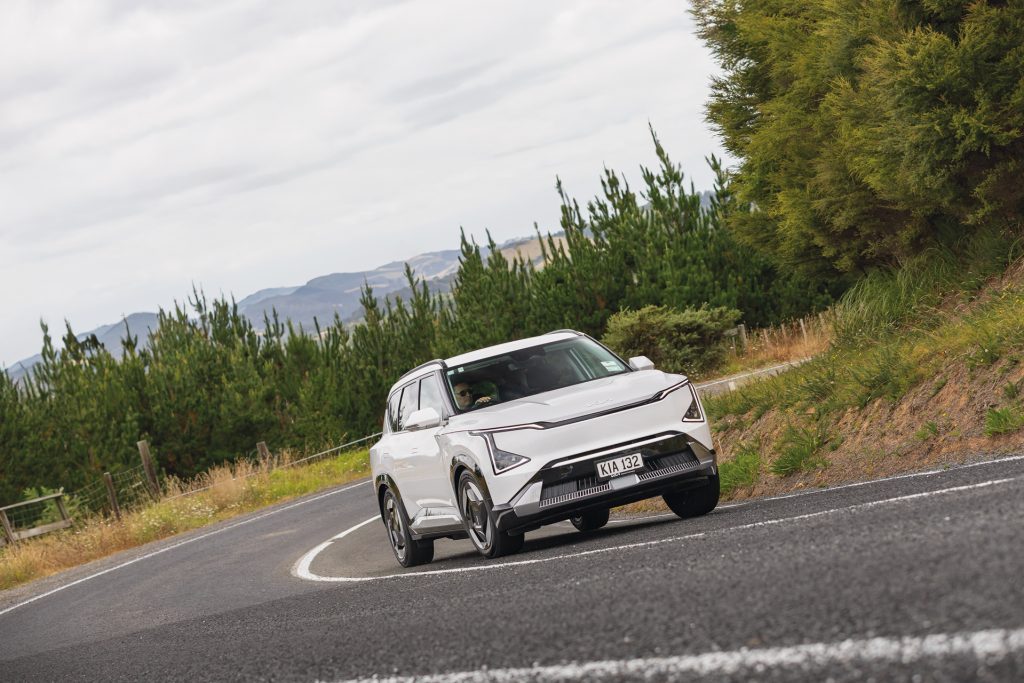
column 316, row 301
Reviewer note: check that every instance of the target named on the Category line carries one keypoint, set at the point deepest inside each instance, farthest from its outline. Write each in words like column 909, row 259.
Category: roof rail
column 419, row 367
column 563, row 330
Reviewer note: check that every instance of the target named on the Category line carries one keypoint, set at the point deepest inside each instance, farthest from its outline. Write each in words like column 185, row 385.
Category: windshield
column 530, row 371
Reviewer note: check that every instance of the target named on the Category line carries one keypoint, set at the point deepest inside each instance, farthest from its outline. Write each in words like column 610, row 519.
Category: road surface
column 917, row 576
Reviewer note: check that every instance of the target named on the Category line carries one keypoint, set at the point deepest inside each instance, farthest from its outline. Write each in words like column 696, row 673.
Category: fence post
column 743, row 335
column 147, row 465
column 8, row 531
column 112, row 495
column 264, row 452
column 62, row 507
column 803, row 328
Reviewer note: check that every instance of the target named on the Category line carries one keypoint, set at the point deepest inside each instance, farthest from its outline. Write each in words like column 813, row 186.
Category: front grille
column 580, row 480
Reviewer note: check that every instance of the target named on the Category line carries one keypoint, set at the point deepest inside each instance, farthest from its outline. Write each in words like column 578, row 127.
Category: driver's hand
column 482, row 400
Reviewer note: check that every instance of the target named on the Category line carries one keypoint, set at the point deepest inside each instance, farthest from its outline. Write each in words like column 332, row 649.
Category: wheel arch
column 382, row 483
column 462, row 462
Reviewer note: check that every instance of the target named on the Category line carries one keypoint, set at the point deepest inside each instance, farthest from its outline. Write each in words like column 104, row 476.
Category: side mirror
column 424, row 418
column 641, row 363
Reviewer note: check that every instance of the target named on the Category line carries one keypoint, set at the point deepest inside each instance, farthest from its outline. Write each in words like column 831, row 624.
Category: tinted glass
column 408, row 405
column 430, row 395
column 531, row 371
column 393, row 410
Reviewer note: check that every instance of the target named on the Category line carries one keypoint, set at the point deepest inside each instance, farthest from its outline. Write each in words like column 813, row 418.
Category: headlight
column 693, row 413
column 502, row 460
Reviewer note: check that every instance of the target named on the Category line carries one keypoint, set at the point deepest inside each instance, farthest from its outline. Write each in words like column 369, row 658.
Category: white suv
column 496, row 442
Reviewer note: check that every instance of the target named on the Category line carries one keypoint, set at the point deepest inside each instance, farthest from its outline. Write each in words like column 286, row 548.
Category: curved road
column 920, row 575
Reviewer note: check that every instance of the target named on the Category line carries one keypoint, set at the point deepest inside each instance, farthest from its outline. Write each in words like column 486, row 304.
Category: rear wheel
column 591, row 520
column 694, row 502
column 408, row 551
column 479, row 520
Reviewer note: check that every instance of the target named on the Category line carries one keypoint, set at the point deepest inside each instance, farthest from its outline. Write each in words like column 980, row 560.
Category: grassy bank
column 924, row 368
column 224, row 492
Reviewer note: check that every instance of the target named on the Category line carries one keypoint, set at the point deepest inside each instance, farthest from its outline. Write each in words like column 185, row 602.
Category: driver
column 464, row 394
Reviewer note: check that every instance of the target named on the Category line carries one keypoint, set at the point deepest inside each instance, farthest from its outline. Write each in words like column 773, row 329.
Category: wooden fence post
column 803, row 328
column 62, row 507
column 743, row 335
column 147, row 465
column 112, row 495
column 8, row 531
column 264, row 452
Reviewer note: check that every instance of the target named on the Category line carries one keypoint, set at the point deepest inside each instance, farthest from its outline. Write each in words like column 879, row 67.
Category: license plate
column 616, row 466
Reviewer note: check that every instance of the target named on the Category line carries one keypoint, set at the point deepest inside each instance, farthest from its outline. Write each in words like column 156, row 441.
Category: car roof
column 508, row 347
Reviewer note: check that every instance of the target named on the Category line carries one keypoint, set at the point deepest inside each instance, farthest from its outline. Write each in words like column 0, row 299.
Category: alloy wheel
column 474, row 511
column 396, row 530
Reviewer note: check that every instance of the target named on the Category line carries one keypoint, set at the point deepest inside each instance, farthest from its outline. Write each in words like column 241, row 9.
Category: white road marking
column 301, row 568
column 178, row 545
column 895, row 477
column 826, row 489
column 988, row 646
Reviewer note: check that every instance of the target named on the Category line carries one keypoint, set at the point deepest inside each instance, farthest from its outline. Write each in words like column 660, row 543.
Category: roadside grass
column 1003, row 420
column 929, row 430
column 783, row 343
column 800, row 450
column 895, row 330
column 917, row 360
column 742, row 471
column 221, row 493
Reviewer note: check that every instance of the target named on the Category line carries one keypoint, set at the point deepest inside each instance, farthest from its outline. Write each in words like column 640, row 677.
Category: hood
column 565, row 404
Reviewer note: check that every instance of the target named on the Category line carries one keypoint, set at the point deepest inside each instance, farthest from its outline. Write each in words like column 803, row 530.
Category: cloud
column 250, row 144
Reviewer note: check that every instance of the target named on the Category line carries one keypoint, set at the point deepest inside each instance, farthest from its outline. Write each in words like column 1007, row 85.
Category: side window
column 430, row 395
column 408, row 406
column 393, row 410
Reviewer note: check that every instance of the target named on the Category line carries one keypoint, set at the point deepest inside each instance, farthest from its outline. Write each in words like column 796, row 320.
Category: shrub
column 677, row 341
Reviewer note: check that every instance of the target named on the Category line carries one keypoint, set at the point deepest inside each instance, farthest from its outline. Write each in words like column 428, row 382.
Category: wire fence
column 32, row 514
column 288, row 463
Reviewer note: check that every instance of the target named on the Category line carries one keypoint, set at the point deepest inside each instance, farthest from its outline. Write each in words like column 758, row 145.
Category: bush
column 677, row 341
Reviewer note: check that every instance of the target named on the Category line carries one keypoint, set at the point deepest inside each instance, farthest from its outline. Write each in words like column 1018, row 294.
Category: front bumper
column 569, row 486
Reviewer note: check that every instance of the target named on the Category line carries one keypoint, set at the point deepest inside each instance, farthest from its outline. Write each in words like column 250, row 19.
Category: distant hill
column 320, row 298
column 137, row 324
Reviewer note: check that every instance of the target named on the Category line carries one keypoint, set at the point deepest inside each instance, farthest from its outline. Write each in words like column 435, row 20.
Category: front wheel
column 408, row 551
column 591, row 520
column 694, row 502
column 479, row 520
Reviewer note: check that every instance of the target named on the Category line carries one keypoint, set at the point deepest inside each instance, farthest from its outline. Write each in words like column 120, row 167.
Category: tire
column 694, row 502
column 408, row 551
column 478, row 517
column 590, row 520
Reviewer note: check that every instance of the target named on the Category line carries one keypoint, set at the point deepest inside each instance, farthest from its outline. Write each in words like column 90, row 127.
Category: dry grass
column 221, row 493
column 787, row 342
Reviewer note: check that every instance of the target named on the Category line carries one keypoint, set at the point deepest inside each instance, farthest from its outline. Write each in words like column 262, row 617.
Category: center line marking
column 301, row 569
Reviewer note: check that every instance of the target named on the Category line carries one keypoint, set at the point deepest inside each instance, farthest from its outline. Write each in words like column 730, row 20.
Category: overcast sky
column 244, row 144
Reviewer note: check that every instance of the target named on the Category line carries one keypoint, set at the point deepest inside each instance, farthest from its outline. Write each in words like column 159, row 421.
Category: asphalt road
column 915, row 578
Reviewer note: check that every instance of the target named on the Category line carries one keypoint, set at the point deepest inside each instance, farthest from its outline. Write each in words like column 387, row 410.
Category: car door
column 415, row 453
column 432, row 487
